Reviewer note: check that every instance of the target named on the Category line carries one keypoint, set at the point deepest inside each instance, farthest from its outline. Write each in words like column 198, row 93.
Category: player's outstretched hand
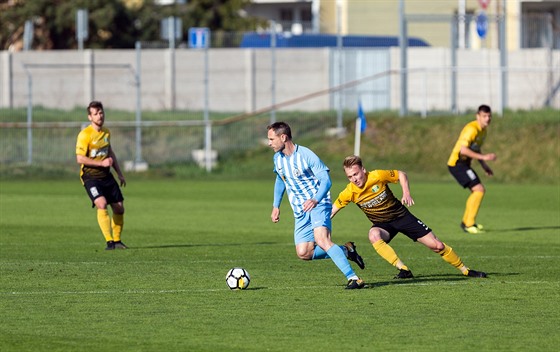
column 122, row 180
column 407, row 200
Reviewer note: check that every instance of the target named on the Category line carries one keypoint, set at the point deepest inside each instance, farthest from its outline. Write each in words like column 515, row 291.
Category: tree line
column 114, row 24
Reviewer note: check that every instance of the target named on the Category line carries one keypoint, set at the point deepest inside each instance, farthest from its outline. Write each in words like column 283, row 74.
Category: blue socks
column 336, row 253
column 319, row 253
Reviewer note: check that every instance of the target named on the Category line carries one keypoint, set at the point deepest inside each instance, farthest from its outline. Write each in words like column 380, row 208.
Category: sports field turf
column 61, row 291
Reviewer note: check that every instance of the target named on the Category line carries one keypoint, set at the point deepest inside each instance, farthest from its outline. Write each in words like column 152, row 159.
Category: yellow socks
column 104, row 222
column 471, row 209
column 389, row 254
column 117, row 225
column 449, row 255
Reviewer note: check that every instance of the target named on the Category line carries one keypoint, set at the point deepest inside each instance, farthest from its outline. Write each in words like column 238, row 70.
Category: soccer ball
column 238, row 279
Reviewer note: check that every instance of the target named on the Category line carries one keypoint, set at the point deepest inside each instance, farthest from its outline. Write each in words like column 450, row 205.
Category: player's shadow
column 191, row 245
column 433, row 279
column 526, row 228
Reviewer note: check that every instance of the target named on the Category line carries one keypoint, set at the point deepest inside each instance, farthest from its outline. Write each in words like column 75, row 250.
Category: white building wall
column 240, row 79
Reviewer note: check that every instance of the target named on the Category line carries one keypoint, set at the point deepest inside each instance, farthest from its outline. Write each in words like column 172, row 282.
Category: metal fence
column 161, row 142
column 175, row 100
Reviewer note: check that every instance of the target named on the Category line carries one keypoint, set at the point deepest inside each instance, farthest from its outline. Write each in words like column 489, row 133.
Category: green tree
column 111, row 23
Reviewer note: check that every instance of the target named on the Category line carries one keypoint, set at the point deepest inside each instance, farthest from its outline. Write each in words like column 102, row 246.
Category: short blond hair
column 352, row 160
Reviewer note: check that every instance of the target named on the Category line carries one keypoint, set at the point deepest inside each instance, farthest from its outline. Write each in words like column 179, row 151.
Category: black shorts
column 465, row 175
column 105, row 187
column 408, row 224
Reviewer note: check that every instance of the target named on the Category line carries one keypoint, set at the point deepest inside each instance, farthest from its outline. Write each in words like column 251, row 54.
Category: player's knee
column 437, row 246
column 118, row 208
column 305, row 255
column 374, row 235
column 478, row 188
column 100, row 203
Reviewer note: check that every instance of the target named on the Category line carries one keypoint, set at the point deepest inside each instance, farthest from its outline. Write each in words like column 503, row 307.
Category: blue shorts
column 317, row 217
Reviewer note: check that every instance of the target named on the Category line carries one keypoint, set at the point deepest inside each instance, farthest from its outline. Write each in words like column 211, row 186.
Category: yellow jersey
column 472, row 136
column 95, row 145
column 375, row 198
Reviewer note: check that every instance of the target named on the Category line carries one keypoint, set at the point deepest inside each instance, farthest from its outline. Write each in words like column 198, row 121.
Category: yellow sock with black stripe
column 104, row 222
column 388, row 253
column 117, row 225
column 449, row 255
column 472, row 207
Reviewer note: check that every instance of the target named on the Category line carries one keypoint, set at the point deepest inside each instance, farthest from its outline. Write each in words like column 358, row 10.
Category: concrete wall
column 240, row 80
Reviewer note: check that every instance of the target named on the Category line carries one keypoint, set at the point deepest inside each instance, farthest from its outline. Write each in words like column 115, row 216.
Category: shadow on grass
column 163, row 246
column 430, row 279
column 528, row 228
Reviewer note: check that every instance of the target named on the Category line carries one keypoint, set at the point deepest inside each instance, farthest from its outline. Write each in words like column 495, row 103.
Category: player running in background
column 94, row 153
column 370, row 192
column 306, row 179
column 468, row 147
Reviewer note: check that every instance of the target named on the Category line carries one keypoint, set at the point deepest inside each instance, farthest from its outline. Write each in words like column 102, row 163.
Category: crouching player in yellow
column 369, row 191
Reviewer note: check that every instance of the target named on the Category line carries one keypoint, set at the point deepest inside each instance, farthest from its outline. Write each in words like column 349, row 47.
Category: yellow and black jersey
column 472, row 136
column 375, row 199
column 94, row 145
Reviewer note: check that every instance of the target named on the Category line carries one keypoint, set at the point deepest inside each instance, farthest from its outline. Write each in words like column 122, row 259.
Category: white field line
column 157, row 292
column 38, row 262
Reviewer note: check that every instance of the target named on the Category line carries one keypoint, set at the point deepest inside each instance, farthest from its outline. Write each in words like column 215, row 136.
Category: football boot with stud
column 404, row 274
column 120, row 245
column 474, row 273
column 353, row 254
column 474, row 229
column 355, row 284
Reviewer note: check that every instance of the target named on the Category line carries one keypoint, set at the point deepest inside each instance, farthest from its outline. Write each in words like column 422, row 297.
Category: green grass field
column 61, row 291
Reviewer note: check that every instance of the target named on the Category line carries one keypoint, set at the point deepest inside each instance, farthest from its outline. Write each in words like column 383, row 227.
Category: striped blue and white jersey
column 298, row 173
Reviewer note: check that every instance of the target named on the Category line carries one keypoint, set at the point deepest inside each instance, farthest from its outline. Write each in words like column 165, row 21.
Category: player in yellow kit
column 94, row 153
column 389, row 216
column 468, row 147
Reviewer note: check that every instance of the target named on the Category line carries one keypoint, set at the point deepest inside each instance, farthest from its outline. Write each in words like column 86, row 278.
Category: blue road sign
column 199, row 37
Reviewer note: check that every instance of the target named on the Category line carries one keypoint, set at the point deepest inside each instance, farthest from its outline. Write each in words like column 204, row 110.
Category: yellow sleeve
column 82, row 143
column 391, row 176
column 467, row 136
column 343, row 199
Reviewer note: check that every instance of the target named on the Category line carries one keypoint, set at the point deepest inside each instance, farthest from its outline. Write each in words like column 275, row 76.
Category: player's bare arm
column 406, row 198
column 117, row 167
column 477, row 156
column 334, row 211
column 486, row 168
column 82, row 159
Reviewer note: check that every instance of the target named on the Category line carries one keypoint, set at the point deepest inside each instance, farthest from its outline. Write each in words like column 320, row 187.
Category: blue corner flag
column 362, row 118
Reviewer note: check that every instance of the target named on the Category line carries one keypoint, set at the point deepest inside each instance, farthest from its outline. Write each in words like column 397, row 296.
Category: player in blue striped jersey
column 305, row 178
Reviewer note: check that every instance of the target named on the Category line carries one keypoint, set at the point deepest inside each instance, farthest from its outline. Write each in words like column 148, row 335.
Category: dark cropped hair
column 484, row 108
column 96, row 105
column 280, row 128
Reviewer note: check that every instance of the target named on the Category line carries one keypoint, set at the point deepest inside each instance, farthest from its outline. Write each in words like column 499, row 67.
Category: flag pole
column 360, row 128
column 357, row 136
